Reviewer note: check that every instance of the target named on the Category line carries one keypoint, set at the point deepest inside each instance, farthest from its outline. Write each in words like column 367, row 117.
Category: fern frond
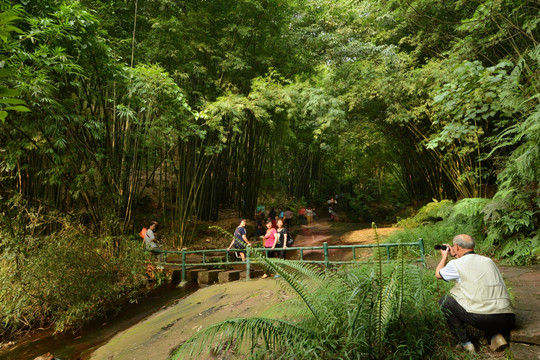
column 295, row 275
column 469, row 206
column 243, row 334
column 384, row 306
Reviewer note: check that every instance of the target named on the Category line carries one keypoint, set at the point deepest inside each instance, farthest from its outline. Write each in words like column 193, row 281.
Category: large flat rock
column 525, row 351
column 522, row 282
column 527, row 328
column 158, row 335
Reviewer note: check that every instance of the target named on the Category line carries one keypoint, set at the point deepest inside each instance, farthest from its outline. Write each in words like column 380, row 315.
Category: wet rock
column 254, row 273
column 208, row 277
column 193, row 274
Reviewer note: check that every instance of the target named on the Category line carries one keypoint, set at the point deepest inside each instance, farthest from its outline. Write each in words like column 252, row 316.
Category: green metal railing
column 326, row 261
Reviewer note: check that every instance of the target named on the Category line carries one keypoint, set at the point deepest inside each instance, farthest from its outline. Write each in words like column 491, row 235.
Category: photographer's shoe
column 469, row 347
column 498, row 343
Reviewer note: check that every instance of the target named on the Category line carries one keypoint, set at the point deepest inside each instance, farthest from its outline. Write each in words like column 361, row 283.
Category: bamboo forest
column 371, row 130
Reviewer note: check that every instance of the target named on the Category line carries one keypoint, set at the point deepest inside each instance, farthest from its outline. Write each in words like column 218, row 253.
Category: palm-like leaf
column 242, row 334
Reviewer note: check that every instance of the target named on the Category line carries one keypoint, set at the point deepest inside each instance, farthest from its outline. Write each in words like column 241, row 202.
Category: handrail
column 325, row 250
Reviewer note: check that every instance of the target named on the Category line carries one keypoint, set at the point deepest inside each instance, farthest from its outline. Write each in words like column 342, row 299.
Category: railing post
column 247, row 262
column 326, row 259
column 183, row 265
column 422, row 250
column 387, row 252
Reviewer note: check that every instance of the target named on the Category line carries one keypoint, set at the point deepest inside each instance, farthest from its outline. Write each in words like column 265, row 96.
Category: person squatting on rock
column 479, row 297
column 150, row 240
column 240, row 239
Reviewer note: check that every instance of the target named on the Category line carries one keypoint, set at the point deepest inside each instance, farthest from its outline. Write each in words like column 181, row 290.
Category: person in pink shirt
column 270, row 240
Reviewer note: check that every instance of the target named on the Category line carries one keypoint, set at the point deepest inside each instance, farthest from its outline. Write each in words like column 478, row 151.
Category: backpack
column 142, row 233
column 290, row 240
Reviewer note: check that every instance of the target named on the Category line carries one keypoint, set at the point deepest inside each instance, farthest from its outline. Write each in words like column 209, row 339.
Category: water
column 81, row 344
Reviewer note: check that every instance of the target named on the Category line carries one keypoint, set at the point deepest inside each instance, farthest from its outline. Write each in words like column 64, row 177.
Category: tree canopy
column 107, row 107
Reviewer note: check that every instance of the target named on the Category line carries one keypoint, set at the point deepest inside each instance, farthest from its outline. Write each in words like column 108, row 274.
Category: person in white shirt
column 479, row 297
column 150, row 240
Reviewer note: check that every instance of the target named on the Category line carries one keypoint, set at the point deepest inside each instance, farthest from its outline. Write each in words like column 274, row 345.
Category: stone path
column 524, row 284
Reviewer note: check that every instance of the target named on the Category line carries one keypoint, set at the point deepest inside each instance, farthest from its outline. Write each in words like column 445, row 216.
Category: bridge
column 227, row 258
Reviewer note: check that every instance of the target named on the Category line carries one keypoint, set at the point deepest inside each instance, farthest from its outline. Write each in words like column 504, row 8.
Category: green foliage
column 64, row 279
column 439, row 222
column 9, row 98
column 432, row 212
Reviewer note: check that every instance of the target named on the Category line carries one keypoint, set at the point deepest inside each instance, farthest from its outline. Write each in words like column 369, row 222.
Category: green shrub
column 503, row 226
column 432, row 212
column 66, row 279
column 439, row 222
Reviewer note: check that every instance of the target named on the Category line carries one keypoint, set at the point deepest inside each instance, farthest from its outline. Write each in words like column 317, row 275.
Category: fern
column 469, row 207
column 242, row 334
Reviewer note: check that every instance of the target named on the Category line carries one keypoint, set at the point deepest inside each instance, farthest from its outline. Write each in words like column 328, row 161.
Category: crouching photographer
column 479, row 297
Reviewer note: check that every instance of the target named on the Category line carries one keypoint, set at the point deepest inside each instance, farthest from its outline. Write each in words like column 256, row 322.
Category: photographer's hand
column 442, row 263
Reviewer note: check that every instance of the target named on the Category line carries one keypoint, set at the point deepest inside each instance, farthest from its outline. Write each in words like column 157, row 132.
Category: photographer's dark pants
column 457, row 317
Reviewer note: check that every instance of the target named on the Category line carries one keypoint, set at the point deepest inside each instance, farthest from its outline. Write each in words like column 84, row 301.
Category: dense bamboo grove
column 175, row 109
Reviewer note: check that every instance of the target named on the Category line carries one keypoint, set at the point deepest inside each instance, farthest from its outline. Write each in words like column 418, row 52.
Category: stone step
column 228, row 276
column 522, row 351
column 208, row 277
column 527, row 329
column 192, row 275
column 523, row 284
column 254, row 273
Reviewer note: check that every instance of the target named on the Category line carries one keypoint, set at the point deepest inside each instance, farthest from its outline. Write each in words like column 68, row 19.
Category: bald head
column 463, row 240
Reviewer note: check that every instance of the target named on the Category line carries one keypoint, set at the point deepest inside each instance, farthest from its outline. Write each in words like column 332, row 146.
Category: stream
column 79, row 345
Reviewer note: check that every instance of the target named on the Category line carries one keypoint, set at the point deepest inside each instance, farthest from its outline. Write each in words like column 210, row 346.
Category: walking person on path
column 309, row 215
column 479, row 297
column 240, row 239
column 288, row 217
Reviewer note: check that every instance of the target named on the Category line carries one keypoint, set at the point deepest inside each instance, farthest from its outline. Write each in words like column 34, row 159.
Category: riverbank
column 79, row 344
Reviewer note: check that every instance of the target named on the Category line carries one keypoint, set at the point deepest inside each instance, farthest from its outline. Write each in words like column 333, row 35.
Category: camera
column 440, row 247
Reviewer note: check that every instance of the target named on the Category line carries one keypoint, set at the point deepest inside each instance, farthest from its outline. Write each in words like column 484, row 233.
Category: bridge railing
column 209, row 256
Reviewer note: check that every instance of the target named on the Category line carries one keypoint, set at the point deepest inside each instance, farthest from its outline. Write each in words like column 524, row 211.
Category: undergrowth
column 502, row 229
column 56, row 275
